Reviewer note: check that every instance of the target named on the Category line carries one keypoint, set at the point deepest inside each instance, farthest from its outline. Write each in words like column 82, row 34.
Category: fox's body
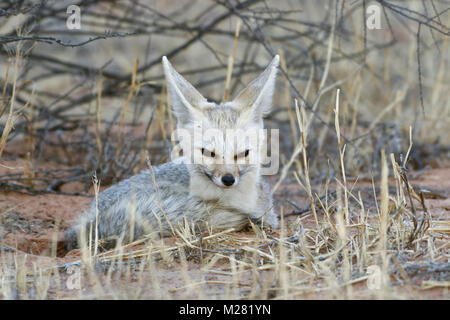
column 220, row 189
column 138, row 196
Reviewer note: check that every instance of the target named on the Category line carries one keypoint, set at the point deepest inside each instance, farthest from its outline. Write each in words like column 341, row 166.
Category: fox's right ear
column 186, row 101
column 257, row 96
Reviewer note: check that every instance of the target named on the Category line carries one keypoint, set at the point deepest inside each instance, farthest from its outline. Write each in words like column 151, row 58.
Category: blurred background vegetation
column 73, row 100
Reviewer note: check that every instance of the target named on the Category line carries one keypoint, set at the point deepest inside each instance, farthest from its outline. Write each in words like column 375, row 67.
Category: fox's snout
column 224, row 179
column 228, row 180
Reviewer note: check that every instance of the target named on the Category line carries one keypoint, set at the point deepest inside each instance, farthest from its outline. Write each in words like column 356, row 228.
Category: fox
column 209, row 183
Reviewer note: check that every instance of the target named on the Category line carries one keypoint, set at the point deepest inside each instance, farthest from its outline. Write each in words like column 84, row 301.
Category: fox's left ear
column 186, row 101
column 257, row 96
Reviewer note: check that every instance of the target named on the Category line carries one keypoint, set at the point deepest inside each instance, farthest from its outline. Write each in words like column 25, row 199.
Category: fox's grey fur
column 160, row 199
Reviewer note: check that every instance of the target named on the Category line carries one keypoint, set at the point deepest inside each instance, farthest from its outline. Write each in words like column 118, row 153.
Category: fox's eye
column 207, row 153
column 241, row 155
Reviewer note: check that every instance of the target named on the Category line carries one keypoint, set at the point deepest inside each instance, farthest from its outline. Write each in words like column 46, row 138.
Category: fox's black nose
column 228, row 180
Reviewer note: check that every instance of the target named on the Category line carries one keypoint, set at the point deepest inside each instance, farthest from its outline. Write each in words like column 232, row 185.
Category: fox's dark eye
column 241, row 155
column 207, row 153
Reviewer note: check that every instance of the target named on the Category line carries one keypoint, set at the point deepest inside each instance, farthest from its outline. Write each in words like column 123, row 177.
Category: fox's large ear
column 257, row 96
column 185, row 99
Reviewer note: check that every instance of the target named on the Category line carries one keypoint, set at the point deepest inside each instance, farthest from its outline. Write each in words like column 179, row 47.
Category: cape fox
column 214, row 184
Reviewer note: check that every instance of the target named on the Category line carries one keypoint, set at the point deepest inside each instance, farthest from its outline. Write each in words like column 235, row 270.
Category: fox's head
column 222, row 142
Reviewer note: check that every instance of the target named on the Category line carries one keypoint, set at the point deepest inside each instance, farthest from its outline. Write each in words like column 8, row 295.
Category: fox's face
column 222, row 143
column 224, row 146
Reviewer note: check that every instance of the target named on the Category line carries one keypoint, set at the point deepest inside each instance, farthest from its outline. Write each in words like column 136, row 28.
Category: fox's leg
column 270, row 218
column 223, row 219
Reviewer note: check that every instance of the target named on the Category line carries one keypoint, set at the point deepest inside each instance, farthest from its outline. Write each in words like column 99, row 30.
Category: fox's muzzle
column 228, row 180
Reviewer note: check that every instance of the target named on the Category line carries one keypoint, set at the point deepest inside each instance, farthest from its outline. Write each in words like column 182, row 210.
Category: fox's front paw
column 270, row 218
